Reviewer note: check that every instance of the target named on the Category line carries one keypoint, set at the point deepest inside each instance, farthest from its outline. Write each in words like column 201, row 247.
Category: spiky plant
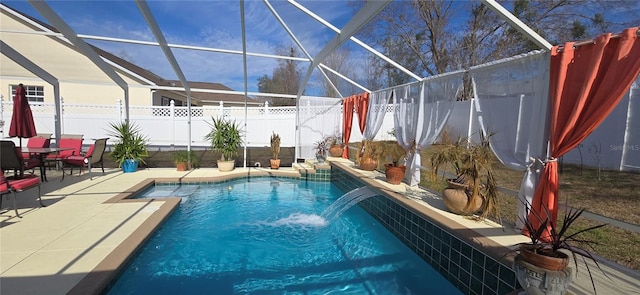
column 275, row 145
column 225, row 137
column 130, row 143
column 548, row 238
column 472, row 163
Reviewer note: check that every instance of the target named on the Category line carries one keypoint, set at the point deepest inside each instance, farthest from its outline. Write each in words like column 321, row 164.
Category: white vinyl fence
column 613, row 145
column 167, row 126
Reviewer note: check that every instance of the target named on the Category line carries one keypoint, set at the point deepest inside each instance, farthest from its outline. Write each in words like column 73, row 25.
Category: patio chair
column 41, row 140
column 26, row 164
column 93, row 156
column 11, row 159
column 71, row 141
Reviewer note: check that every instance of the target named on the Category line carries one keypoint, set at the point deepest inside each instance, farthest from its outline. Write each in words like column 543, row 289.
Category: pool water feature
column 267, row 236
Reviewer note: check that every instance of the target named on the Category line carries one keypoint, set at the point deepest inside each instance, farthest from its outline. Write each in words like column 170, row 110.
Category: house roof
column 202, row 97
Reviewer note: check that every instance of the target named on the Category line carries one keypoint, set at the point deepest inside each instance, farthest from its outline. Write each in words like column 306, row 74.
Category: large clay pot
column 544, row 258
column 226, row 166
column 368, row 164
column 335, row 150
column 394, row 174
column 456, row 200
column 539, row 281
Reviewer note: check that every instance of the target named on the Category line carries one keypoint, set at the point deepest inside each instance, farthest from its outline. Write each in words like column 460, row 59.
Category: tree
column 431, row 37
column 285, row 79
column 340, row 62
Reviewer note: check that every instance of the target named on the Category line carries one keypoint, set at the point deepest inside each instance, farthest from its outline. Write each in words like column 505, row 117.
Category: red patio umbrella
column 22, row 125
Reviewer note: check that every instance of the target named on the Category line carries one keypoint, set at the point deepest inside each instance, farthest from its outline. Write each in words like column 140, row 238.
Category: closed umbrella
column 22, row 125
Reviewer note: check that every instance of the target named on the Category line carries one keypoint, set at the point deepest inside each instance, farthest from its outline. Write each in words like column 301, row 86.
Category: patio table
column 42, row 154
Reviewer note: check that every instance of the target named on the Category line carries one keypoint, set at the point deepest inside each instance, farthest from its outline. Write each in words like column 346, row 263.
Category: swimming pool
column 266, row 236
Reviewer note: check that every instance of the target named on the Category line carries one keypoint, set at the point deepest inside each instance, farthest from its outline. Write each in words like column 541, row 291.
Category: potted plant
column 474, row 187
column 321, row 148
column 130, row 147
column 394, row 171
column 540, row 266
column 369, row 154
column 225, row 137
column 275, row 150
column 335, row 145
column 182, row 158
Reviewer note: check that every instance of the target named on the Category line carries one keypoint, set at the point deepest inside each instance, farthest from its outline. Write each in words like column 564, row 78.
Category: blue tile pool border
column 456, row 257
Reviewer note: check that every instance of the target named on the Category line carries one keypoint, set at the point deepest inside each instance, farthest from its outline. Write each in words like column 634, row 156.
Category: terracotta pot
column 368, row 164
column 544, row 258
column 182, row 166
column 275, row 164
column 335, row 150
column 457, row 201
column 394, row 174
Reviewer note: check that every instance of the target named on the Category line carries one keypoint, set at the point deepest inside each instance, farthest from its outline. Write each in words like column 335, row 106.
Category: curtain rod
column 592, row 41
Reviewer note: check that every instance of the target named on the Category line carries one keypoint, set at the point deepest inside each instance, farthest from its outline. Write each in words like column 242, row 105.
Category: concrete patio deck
column 86, row 229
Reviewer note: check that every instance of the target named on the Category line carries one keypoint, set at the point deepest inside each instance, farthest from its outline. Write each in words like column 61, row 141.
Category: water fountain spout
column 347, row 201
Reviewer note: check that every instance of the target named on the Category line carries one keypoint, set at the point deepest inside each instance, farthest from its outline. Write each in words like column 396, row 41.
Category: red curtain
column 361, row 104
column 347, row 121
column 585, row 84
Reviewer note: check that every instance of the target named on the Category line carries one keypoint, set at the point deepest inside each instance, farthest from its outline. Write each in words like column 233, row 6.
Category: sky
column 213, row 24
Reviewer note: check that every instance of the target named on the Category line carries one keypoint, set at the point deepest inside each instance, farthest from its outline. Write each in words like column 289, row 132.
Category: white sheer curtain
column 420, row 117
column 511, row 103
column 377, row 110
column 406, row 102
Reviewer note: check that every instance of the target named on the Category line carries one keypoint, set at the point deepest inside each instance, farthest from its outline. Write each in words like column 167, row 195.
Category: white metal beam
column 345, row 78
column 361, row 18
column 295, row 40
column 517, row 24
column 83, row 47
column 157, row 32
column 244, row 68
column 356, row 40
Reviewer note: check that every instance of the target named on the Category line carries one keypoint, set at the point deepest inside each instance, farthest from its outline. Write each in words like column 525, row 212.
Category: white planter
column 226, row 166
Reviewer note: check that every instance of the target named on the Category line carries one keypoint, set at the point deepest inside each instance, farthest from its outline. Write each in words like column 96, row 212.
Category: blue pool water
column 266, row 236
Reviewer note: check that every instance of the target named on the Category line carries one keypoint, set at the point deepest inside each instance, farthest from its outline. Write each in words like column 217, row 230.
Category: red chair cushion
column 26, row 182
column 3, row 183
column 74, row 160
column 90, row 151
column 36, row 142
column 74, row 143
